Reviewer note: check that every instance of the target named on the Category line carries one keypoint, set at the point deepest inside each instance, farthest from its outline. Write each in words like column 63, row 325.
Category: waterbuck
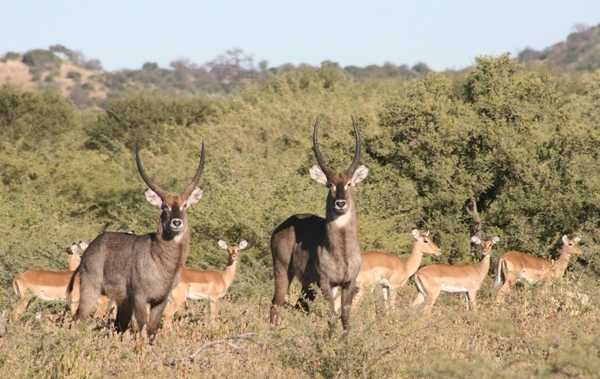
column 140, row 271
column 321, row 251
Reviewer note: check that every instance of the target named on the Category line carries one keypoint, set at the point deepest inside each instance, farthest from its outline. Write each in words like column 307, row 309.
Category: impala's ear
column 194, row 197
column 565, row 239
column 415, row 233
column 317, row 175
column 360, row 174
column 83, row 245
column 495, row 239
column 242, row 245
column 223, row 244
column 577, row 239
column 72, row 249
column 476, row 240
column 153, row 198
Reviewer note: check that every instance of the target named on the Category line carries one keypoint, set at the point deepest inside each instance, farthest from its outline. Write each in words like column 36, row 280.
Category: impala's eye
column 426, row 241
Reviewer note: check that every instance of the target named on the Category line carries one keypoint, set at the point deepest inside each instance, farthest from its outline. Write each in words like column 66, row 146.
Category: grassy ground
column 539, row 332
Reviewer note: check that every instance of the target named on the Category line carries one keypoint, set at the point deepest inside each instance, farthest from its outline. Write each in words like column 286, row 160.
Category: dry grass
column 539, row 332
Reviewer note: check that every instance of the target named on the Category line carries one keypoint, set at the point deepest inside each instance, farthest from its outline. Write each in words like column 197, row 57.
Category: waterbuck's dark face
column 340, row 187
column 339, row 200
column 173, row 218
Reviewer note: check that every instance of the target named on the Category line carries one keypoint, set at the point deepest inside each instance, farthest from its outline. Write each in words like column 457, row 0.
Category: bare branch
column 245, row 336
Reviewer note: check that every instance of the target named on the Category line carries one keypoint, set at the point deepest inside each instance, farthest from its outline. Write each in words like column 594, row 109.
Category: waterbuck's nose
column 341, row 204
column 176, row 223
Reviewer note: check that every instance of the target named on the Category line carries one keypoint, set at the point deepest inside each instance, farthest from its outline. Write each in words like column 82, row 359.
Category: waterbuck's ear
column 317, row 175
column 415, row 233
column 194, row 197
column 153, row 198
column 360, row 174
column 222, row 244
column 476, row 240
column 242, row 245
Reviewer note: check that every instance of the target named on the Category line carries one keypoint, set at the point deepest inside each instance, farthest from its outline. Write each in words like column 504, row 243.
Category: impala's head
column 340, row 197
column 233, row 249
column 486, row 245
column 173, row 217
column 571, row 245
column 73, row 258
column 424, row 244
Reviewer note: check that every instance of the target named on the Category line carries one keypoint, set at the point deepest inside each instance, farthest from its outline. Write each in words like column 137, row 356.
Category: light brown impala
column 515, row 266
column 391, row 272
column 196, row 284
column 433, row 279
column 45, row 285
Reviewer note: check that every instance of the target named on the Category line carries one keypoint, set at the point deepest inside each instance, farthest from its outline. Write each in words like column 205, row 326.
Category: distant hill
column 87, row 85
column 580, row 52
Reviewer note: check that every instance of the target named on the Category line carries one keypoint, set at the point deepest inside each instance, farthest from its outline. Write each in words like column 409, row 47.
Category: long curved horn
column 196, row 178
column 356, row 159
column 159, row 191
column 326, row 170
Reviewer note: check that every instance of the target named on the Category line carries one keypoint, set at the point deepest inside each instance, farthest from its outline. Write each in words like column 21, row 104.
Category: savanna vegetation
column 519, row 141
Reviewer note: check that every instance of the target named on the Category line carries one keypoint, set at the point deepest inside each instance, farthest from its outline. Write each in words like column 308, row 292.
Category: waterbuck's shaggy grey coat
column 321, row 251
column 140, row 271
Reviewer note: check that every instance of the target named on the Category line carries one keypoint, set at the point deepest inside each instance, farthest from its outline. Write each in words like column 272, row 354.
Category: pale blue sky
column 441, row 33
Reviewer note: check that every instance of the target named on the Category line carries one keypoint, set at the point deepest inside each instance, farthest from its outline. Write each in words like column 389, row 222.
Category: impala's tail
column 501, row 267
column 419, row 285
column 72, row 281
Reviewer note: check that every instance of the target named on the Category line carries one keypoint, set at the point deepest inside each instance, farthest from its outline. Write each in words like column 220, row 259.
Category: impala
column 433, row 279
column 516, row 266
column 321, row 251
column 45, row 285
column 140, row 271
column 212, row 285
column 391, row 272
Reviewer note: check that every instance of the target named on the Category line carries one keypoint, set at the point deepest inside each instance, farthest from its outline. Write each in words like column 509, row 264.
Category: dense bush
column 35, row 116
column 137, row 119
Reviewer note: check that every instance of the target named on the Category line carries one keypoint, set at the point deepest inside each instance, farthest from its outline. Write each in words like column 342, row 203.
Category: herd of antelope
column 145, row 276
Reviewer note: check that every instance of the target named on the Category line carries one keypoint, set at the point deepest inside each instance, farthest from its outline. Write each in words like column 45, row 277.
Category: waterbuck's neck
column 342, row 230
column 171, row 251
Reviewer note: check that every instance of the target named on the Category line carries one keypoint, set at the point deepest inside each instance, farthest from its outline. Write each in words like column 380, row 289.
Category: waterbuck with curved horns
column 137, row 271
column 321, row 251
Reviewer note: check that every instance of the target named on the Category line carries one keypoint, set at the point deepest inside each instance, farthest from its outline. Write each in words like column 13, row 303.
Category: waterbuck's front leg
column 348, row 291
column 156, row 312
